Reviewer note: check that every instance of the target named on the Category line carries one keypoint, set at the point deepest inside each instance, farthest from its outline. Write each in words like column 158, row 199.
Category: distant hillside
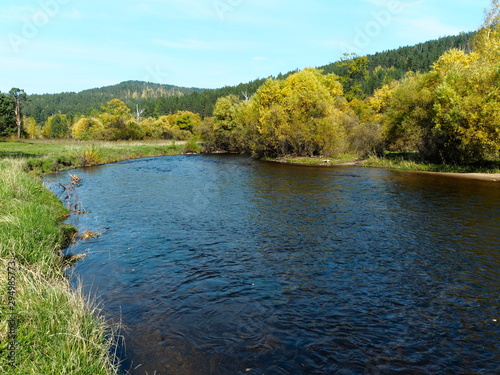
column 419, row 57
column 383, row 67
column 42, row 106
column 156, row 99
column 394, row 64
column 140, row 90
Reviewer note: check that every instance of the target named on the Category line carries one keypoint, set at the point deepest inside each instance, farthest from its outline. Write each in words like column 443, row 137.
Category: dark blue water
column 225, row 265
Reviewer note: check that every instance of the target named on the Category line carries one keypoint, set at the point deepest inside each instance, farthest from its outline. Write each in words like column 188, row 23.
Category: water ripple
column 224, row 265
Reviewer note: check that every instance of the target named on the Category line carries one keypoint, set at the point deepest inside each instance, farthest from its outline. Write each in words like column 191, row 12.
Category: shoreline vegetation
column 45, row 327
column 401, row 163
column 48, row 326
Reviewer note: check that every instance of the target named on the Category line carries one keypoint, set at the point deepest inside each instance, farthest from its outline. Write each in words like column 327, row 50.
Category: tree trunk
column 19, row 120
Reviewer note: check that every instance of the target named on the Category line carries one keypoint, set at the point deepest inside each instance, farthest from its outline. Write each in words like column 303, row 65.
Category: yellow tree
column 153, row 128
column 87, row 128
column 226, row 113
column 115, row 113
column 226, row 130
column 30, row 127
column 185, row 120
column 356, row 68
column 302, row 115
column 467, row 121
column 46, row 130
column 467, row 107
column 487, row 40
column 409, row 116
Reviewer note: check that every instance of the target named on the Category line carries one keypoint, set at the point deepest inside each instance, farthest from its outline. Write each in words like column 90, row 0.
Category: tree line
column 447, row 111
column 449, row 114
column 159, row 100
column 115, row 122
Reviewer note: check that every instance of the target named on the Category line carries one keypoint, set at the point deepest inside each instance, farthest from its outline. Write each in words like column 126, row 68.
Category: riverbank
column 483, row 173
column 486, row 172
column 45, row 326
column 318, row 161
column 47, row 156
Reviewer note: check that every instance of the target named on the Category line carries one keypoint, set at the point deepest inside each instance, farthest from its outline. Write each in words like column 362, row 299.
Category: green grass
column 411, row 162
column 323, row 161
column 58, row 330
column 54, row 156
column 29, row 216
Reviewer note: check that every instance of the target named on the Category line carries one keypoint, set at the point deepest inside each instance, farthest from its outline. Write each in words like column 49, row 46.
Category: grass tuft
column 411, row 162
column 56, row 329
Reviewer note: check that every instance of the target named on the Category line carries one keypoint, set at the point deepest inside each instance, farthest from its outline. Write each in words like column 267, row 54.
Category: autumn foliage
column 449, row 114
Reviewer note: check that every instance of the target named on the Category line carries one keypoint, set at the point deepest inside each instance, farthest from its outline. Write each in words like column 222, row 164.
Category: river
column 228, row 265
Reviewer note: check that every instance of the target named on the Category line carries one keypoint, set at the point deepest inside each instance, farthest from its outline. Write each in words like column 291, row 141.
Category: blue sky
column 50, row 46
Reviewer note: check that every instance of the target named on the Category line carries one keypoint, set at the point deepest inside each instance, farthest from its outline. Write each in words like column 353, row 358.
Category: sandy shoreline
column 491, row 177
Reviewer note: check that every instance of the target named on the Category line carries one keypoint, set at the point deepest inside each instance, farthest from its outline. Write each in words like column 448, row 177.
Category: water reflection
column 221, row 264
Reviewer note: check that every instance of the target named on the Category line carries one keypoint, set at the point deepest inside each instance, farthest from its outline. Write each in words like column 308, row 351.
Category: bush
column 192, row 146
column 90, row 156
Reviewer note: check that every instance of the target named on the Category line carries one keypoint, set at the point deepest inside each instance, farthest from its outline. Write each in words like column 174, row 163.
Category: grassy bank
column 397, row 161
column 317, row 161
column 45, row 326
column 411, row 162
column 53, row 156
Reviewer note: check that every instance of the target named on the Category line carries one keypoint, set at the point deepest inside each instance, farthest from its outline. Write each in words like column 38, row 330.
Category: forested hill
column 156, row 99
column 415, row 58
column 394, row 64
column 140, row 90
column 42, row 106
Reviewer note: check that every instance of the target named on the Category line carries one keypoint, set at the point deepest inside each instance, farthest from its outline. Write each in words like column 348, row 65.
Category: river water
column 227, row 265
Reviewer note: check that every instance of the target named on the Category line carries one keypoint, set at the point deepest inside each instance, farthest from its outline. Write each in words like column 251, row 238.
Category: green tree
column 58, row 126
column 7, row 116
column 356, row 74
